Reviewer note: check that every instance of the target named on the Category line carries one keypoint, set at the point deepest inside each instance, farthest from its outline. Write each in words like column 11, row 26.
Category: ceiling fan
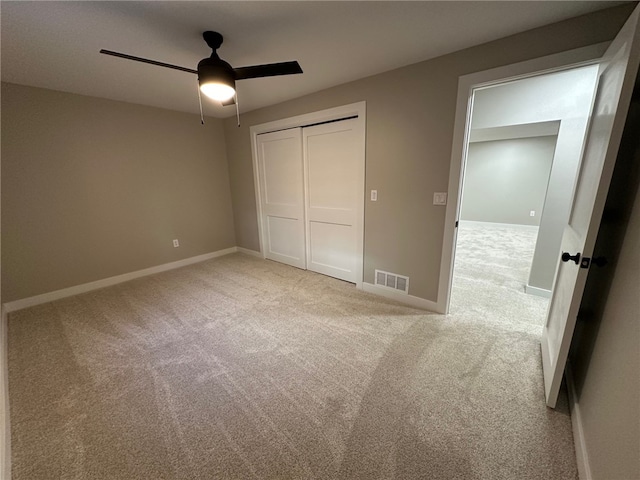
column 216, row 78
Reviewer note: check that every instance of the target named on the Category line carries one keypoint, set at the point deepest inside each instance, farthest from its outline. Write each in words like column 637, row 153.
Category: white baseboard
column 582, row 456
column 253, row 253
column 497, row 224
column 107, row 282
column 410, row 300
column 540, row 292
column 5, row 422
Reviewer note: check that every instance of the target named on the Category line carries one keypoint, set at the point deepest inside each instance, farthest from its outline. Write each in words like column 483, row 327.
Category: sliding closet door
column 280, row 174
column 334, row 180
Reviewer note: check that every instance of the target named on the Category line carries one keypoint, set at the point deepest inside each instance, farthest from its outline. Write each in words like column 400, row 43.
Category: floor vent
column 392, row 281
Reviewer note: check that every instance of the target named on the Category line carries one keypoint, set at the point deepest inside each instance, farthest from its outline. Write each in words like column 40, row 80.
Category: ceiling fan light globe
column 218, row 91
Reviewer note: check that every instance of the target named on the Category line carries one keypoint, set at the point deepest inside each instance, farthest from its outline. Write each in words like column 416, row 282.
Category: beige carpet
column 491, row 270
column 241, row 368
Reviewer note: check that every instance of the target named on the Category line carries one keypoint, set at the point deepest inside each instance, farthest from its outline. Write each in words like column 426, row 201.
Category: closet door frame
column 338, row 113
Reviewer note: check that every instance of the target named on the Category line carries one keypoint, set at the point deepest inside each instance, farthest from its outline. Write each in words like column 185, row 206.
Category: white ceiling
column 55, row 44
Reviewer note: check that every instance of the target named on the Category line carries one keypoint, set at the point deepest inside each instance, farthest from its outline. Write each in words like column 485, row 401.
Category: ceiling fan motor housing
column 216, row 70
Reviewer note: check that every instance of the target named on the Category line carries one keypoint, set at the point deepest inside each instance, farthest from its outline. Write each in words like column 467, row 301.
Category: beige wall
column 605, row 349
column 610, row 390
column 505, row 179
column 410, row 117
column 94, row 188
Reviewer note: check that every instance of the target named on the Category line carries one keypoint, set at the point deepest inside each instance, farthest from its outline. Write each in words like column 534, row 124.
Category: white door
column 280, row 174
column 334, row 180
column 617, row 76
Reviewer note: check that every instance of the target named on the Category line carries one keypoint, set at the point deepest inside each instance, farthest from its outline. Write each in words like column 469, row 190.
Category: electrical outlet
column 374, row 195
column 176, row 243
column 532, row 213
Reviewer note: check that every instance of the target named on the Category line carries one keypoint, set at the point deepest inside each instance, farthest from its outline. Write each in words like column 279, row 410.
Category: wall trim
column 247, row 251
column 5, row 421
column 107, row 282
column 540, row 292
column 410, row 300
column 580, row 443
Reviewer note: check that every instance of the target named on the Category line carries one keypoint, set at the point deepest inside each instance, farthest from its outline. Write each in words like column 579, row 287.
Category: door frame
column 467, row 84
column 329, row 115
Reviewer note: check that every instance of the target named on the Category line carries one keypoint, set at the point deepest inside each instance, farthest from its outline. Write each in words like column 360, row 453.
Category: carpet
column 491, row 270
column 241, row 368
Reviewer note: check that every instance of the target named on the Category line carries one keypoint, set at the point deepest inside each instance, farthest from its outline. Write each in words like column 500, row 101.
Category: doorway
column 522, row 157
column 504, row 190
column 496, row 105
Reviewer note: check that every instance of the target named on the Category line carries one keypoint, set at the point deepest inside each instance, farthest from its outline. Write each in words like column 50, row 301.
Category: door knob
column 566, row 256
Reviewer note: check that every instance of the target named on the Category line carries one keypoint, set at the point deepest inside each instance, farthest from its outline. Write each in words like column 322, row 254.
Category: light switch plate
column 439, row 198
column 374, row 195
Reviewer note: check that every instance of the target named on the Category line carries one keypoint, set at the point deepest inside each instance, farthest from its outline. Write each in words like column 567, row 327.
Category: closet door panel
column 280, row 175
column 330, row 244
column 332, row 180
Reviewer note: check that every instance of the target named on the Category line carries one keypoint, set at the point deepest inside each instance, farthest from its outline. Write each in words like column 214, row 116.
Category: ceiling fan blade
column 269, row 70
column 146, row 60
